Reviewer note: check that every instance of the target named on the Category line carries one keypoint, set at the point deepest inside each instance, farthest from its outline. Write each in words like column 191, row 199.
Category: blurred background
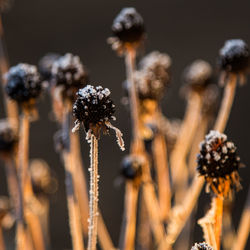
column 186, row 30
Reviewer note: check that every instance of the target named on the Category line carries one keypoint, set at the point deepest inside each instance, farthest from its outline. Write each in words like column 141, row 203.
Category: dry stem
column 2, row 243
column 93, row 193
column 226, row 104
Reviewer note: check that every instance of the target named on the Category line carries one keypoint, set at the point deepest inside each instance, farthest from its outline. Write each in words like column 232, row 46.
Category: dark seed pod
column 234, row 56
column 45, row 65
column 197, row 75
column 93, row 107
column 201, row 246
column 23, row 83
column 69, row 73
column 131, row 167
column 128, row 26
column 218, row 162
column 153, row 76
column 8, row 138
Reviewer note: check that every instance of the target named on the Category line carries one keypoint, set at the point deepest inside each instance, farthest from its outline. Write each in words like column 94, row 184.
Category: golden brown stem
column 184, row 140
column 161, row 163
column 131, row 198
column 11, row 107
column 218, row 219
column 226, row 104
column 244, row 227
column 133, row 98
column 93, row 194
column 23, row 239
column 2, row 243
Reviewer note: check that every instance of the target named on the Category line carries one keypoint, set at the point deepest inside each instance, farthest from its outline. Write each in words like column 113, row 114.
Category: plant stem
column 226, row 104
column 93, row 201
column 11, row 107
column 244, row 227
column 218, row 219
column 2, row 243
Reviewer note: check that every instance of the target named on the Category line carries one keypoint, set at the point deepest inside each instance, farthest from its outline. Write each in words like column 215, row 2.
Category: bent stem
column 226, row 104
column 93, row 200
column 10, row 106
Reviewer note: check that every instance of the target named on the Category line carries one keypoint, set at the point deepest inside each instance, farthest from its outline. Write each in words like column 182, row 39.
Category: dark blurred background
column 186, row 30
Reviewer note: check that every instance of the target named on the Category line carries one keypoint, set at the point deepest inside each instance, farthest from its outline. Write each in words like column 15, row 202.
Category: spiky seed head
column 8, row 138
column 197, row 75
column 23, row 83
column 128, row 26
column 153, row 75
column 45, row 65
column 131, row 167
column 218, row 162
column 69, row 73
column 93, row 107
column 234, row 56
column 201, row 246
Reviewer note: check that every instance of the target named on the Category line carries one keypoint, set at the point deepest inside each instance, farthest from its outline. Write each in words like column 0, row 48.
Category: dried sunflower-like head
column 218, row 162
column 69, row 74
column 153, row 75
column 201, row 246
column 234, row 56
column 197, row 75
column 23, row 83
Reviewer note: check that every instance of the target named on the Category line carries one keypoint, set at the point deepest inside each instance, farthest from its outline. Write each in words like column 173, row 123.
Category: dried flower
column 131, row 167
column 23, row 83
column 218, row 162
column 8, row 138
column 45, row 65
column 153, row 76
column 201, row 246
column 69, row 73
column 197, row 75
column 128, row 26
column 234, row 56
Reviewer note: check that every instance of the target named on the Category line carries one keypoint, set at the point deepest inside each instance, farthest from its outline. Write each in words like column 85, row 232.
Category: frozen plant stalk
column 94, row 109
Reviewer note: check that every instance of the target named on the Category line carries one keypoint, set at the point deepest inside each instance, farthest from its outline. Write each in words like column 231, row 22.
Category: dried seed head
column 69, row 73
column 128, row 26
column 234, row 56
column 93, row 107
column 8, row 138
column 131, row 167
column 201, row 246
column 153, row 76
column 23, row 83
column 45, row 65
column 218, row 162
column 197, row 75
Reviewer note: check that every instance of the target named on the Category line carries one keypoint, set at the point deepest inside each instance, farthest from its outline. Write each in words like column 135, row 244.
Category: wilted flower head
column 153, row 75
column 95, row 109
column 45, row 65
column 197, row 75
column 234, row 56
column 69, row 74
column 201, row 246
column 23, row 83
column 218, row 162
column 128, row 26
column 131, row 167
column 8, row 137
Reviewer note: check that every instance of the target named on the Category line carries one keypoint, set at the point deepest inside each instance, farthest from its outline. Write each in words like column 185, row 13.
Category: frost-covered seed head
column 128, row 26
column 197, row 75
column 131, row 167
column 45, row 65
column 201, row 246
column 93, row 106
column 8, row 138
column 153, row 75
column 218, row 161
column 234, row 56
column 23, row 83
column 69, row 73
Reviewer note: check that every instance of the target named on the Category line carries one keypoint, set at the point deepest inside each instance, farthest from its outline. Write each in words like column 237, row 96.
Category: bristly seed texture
column 23, row 83
column 201, row 246
column 218, row 162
